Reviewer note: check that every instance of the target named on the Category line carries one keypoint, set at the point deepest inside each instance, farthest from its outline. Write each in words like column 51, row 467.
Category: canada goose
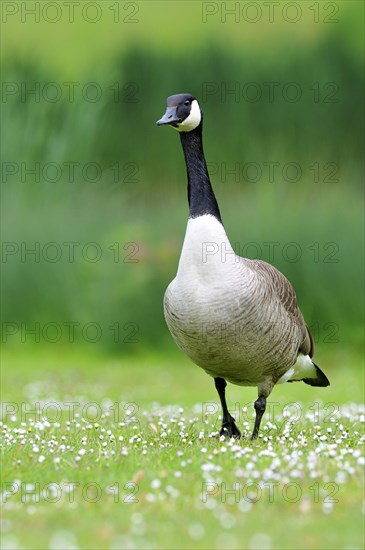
column 236, row 318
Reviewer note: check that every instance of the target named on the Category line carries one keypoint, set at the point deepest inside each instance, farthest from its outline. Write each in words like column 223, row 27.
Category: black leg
column 260, row 406
column 229, row 428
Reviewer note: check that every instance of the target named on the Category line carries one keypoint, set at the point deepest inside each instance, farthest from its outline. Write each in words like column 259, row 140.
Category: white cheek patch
column 193, row 120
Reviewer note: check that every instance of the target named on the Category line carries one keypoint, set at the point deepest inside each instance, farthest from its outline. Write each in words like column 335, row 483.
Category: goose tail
column 319, row 380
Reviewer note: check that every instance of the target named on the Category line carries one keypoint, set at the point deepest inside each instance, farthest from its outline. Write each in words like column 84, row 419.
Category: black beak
column 169, row 117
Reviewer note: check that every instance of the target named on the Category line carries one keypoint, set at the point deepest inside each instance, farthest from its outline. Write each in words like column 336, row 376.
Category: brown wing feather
column 286, row 294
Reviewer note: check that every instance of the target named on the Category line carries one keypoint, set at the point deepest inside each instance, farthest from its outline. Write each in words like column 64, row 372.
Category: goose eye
column 187, row 102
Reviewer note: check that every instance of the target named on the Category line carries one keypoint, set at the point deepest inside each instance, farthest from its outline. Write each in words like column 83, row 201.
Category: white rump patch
column 193, row 120
column 303, row 368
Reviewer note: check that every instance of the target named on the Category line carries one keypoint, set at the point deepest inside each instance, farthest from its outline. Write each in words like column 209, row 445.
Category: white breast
column 207, row 252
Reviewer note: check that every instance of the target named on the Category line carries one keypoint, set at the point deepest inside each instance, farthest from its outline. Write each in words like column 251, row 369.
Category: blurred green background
column 99, row 192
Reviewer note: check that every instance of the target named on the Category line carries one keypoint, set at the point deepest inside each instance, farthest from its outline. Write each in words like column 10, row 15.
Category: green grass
column 152, row 438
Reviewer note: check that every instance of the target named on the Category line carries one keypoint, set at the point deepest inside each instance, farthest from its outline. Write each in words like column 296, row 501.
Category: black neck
column 200, row 193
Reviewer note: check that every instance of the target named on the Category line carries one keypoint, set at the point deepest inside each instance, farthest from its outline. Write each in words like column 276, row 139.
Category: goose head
column 182, row 113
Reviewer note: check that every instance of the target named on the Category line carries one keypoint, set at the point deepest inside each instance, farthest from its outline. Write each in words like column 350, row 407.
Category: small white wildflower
column 327, row 507
column 155, row 484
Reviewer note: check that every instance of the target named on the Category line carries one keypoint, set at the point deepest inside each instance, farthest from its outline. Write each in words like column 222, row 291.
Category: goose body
column 211, row 309
column 236, row 318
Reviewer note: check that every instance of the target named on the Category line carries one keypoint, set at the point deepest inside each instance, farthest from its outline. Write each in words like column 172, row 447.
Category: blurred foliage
column 144, row 200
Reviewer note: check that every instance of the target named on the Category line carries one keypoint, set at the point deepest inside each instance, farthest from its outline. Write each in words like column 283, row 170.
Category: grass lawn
column 100, row 453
